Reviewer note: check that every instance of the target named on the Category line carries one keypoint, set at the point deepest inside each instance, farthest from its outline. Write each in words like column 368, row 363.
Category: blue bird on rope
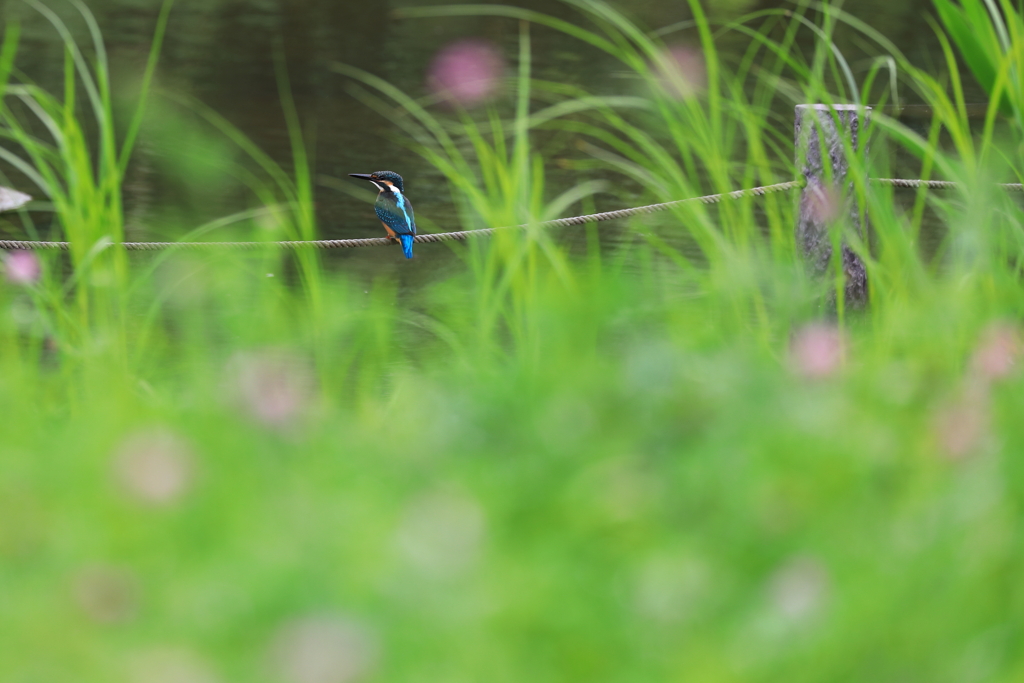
column 392, row 207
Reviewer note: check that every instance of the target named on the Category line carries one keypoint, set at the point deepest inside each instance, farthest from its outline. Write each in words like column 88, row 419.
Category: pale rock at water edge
column 12, row 199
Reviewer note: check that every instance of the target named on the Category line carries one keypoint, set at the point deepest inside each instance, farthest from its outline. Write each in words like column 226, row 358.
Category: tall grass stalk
column 501, row 182
column 677, row 147
column 83, row 178
column 288, row 197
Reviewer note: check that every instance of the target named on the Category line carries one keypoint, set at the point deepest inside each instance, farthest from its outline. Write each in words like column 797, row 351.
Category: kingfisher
column 392, row 207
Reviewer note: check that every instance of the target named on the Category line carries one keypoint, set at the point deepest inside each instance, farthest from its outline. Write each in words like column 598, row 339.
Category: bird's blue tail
column 406, row 245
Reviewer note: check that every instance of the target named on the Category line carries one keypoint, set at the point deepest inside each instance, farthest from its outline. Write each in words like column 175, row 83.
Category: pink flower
column 22, row 268
column 681, row 72
column 799, row 588
column 817, row 351
column 824, row 203
column 273, row 386
column 169, row 664
column 997, row 352
column 962, row 427
column 323, row 648
column 107, row 595
column 155, row 466
column 466, row 73
column 442, row 533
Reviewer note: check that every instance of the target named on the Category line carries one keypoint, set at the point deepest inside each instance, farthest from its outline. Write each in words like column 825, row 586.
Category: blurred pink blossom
column 799, row 588
column 106, row 594
column 442, row 533
column 669, row 588
column 467, row 73
column 155, row 466
column 997, row 352
column 274, row 387
column 169, row 664
column 323, row 649
column 22, row 268
column 817, row 351
column 681, row 71
column 960, row 428
column 824, row 203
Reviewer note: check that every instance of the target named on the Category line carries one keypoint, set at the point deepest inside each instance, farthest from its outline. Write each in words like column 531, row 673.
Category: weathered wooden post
column 827, row 197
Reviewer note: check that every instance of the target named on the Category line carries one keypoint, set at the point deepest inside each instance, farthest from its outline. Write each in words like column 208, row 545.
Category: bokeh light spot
column 466, row 73
column 817, row 351
column 680, row 72
column 107, row 595
column 155, row 466
column 441, row 533
column 799, row 588
column 22, row 268
column 170, row 665
column 962, row 426
column 273, row 386
column 997, row 353
column 824, row 203
column 323, row 649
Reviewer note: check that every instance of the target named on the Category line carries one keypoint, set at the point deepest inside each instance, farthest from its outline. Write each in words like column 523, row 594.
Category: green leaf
column 960, row 30
column 981, row 53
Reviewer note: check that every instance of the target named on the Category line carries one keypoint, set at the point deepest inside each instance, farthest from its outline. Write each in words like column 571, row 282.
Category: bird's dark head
column 382, row 179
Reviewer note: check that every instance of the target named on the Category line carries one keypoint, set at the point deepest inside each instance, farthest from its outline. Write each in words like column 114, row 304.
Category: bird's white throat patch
column 388, row 186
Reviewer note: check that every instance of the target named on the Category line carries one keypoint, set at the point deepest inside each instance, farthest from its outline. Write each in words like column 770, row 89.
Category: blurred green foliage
column 558, row 462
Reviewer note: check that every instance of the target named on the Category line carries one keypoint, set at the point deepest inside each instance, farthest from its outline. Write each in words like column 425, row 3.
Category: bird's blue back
column 396, row 212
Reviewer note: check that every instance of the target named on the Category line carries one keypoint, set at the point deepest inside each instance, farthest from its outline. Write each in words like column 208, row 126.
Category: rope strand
column 486, row 232
column 424, row 238
column 937, row 184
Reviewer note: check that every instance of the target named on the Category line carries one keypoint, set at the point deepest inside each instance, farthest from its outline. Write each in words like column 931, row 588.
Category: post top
column 835, row 107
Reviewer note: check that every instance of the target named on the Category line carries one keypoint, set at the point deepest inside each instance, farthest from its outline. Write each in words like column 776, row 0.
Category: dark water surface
column 221, row 52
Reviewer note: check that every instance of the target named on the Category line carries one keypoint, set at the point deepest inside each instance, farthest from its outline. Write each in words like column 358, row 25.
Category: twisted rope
column 486, row 232
column 425, row 238
column 937, row 184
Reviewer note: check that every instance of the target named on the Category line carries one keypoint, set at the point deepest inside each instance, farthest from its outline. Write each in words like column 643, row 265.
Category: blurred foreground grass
column 653, row 494
column 544, row 467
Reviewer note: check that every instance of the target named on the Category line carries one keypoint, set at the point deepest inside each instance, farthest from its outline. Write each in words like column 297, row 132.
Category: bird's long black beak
column 361, row 176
